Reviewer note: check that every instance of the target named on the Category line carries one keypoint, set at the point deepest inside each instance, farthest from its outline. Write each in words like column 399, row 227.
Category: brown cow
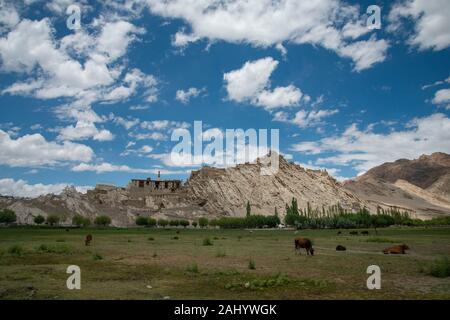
column 88, row 240
column 400, row 249
column 304, row 243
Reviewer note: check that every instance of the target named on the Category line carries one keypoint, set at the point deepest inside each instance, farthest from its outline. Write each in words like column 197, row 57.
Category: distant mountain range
column 420, row 186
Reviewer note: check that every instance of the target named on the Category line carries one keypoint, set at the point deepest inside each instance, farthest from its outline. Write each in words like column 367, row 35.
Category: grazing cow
column 354, row 233
column 365, row 233
column 340, row 248
column 304, row 243
column 400, row 249
column 88, row 240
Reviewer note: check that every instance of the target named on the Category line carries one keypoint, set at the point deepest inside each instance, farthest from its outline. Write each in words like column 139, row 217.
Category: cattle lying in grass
column 340, row 248
column 304, row 243
column 400, row 249
column 88, row 240
column 354, row 233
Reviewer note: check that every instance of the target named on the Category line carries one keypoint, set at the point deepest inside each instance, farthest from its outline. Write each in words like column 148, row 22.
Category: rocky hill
column 210, row 192
column 421, row 185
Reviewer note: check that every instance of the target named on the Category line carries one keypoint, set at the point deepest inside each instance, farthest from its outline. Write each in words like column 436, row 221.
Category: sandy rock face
column 210, row 192
column 226, row 191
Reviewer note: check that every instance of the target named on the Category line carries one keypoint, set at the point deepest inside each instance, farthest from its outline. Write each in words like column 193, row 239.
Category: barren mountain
column 210, row 192
column 421, row 186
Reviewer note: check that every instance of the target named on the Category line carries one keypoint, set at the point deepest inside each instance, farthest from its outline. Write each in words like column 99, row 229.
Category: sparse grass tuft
column 16, row 250
column 381, row 240
column 58, row 249
column 207, row 242
column 221, row 254
column 251, row 265
column 96, row 257
column 175, row 238
column 193, row 268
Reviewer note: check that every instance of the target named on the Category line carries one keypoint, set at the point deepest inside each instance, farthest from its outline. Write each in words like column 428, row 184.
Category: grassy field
column 238, row 264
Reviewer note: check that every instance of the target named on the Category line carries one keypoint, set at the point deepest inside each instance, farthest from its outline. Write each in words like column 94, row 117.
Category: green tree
column 39, row 219
column 151, row 222
column 203, row 222
column 163, row 223
column 103, row 221
column 7, row 216
column 53, row 219
column 142, row 221
column 249, row 209
column 184, row 223
column 194, row 224
column 80, row 221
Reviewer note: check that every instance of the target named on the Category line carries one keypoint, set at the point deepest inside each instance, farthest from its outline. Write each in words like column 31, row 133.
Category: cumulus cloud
column 251, row 84
column 108, row 167
column 305, row 119
column 366, row 149
column 430, row 20
column 21, row 188
column 185, row 95
column 332, row 24
column 35, row 150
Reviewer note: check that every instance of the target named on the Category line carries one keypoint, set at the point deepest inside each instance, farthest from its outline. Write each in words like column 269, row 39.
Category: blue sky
column 99, row 103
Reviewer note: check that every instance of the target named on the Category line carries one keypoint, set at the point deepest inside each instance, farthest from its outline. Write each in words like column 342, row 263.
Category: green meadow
column 177, row 263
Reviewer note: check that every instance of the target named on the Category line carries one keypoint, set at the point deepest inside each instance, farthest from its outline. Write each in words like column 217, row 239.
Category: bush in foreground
column 439, row 269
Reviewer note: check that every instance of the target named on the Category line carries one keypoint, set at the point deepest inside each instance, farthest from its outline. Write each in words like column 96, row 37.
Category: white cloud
column 442, row 97
column 279, row 97
column 107, row 167
column 34, row 150
column 185, row 95
column 21, row 188
column 431, row 22
column 366, row 149
column 305, row 119
column 84, row 130
column 269, row 23
column 251, row 84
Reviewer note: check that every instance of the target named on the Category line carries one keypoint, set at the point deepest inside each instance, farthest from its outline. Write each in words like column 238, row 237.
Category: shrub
column 440, row 268
column 141, row 221
column 80, row 221
column 103, row 221
column 207, row 242
column 53, row 219
column 16, row 250
column 194, row 224
column 162, row 223
column 193, row 268
column 151, row 239
column 251, row 265
column 203, row 222
column 96, row 257
column 7, row 216
column 39, row 219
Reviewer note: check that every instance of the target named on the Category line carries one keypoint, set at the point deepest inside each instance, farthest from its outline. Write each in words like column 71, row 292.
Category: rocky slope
column 421, row 186
column 209, row 192
column 226, row 191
